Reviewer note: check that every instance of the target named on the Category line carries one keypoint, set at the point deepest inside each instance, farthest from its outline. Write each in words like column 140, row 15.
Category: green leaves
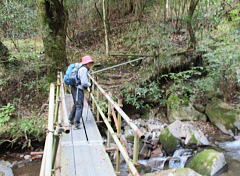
column 234, row 14
column 103, row 105
column 143, row 96
column 5, row 113
column 184, row 75
column 17, row 20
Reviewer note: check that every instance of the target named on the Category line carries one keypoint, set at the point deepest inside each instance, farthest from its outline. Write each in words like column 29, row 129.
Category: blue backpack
column 71, row 76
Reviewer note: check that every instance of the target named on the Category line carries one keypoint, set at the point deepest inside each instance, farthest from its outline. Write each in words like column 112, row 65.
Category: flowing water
column 14, row 167
column 231, row 150
column 178, row 160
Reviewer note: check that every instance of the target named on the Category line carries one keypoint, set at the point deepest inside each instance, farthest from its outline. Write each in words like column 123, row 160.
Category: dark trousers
column 77, row 109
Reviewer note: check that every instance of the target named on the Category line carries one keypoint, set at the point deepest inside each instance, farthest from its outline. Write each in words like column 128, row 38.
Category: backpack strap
column 85, row 66
column 77, row 80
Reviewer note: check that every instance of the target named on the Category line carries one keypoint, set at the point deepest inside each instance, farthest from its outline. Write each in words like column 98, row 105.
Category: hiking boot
column 77, row 127
column 70, row 122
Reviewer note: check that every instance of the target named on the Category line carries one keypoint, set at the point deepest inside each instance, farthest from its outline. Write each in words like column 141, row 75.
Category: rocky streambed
column 185, row 148
column 16, row 164
column 197, row 141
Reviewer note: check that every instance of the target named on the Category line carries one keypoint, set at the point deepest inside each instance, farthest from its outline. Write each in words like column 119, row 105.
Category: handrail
column 46, row 166
column 119, row 110
column 64, row 107
column 58, row 125
column 116, row 136
column 117, row 141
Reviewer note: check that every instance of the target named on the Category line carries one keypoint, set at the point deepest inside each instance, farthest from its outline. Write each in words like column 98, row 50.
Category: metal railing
column 57, row 124
column 112, row 106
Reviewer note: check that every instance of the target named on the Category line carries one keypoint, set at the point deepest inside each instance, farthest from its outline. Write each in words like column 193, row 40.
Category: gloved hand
column 89, row 89
column 91, row 82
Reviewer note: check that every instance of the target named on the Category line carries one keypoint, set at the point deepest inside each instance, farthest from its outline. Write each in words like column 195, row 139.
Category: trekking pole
column 82, row 118
column 84, row 125
column 85, row 128
column 88, row 89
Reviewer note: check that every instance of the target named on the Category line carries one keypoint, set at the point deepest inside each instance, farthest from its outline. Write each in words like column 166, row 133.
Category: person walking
column 77, row 91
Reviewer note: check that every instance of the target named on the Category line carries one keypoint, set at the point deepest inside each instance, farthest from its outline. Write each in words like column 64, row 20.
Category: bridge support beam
column 98, row 101
column 135, row 148
column 118, row 133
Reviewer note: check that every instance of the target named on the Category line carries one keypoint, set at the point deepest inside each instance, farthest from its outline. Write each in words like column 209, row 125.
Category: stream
column 159, row 161
column 25, row 165
column 231, row 150
column 13, row 166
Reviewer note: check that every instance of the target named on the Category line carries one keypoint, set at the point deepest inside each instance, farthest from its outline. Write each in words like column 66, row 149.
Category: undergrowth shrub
column 23, row 130
column 143, row 96
column 6, row 113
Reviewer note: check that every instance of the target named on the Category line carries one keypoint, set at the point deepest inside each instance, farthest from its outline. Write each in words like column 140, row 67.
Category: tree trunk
column 4, row 54
column 165, row 10
column 105, row 27
column 138, row 8
column 192, row 7
column 53, row 16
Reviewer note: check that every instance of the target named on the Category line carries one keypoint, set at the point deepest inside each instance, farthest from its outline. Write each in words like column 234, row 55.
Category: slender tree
column 192, row 7
column 53, row 16
column 105, row 26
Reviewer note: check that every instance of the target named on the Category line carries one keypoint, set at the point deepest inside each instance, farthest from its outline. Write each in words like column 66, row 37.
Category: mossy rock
column 168, row 141
column 175, row 172
column 181, row 109
column 193, row 139
column 207, row 162
column 143, row 169
column 224, row 116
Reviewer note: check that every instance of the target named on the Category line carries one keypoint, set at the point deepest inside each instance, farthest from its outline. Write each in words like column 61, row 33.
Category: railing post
column 57, row 101
column 98, row 102
column 64, row 108
column 56, row 114
column 55, row 148
column 135, row 148
column 109, row 120
column 118, row 134
column 93, row 91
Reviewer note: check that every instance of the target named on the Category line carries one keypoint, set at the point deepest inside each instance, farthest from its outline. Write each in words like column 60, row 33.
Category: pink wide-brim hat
column 87, row 59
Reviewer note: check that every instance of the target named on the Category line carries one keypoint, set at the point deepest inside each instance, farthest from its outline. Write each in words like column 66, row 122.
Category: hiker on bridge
column 77, row 89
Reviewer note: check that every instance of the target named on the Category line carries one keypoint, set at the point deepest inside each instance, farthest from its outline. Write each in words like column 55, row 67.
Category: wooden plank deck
column 80, row 157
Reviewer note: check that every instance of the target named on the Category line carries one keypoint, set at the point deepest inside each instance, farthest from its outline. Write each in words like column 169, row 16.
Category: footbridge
column 83, row 152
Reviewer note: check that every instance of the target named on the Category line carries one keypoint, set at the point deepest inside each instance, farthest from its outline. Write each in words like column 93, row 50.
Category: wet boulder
column 181, row 132
column 180, row 109
column 208, row 162
column 5, row 168
column 175, row 172
column 143, row 169
column 168, row 140
column 224, row 116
